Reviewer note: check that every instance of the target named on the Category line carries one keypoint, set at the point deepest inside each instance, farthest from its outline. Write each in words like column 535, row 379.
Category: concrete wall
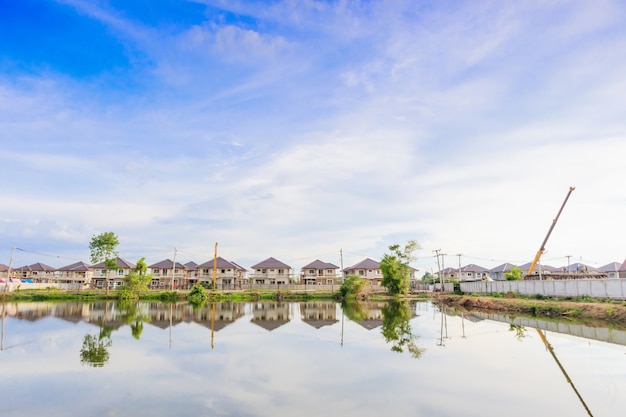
column 597, row 288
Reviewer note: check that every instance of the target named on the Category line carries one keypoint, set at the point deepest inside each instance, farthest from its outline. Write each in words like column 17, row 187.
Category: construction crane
column 543, row 245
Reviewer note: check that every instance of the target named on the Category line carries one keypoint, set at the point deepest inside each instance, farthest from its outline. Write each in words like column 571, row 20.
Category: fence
column 597, row 288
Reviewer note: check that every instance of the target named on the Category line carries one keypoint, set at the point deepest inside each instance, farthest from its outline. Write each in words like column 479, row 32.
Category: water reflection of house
column 166, row 315
column 29, row 311
column 217, row 315
column 318, row 314
column 373, row 315
column 72, row 312
column 270, row 315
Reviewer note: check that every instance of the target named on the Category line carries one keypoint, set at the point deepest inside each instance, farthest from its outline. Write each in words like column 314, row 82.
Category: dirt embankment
column 601, row 311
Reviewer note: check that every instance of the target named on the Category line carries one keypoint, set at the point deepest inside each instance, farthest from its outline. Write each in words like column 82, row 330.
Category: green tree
column 515, row 274
column 353, row 286
column 135, row 282
column 103, row 249
column 197, row 297
column 395, row 267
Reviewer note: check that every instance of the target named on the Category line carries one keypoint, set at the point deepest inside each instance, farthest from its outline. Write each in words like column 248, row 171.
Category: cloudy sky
column 296, row 129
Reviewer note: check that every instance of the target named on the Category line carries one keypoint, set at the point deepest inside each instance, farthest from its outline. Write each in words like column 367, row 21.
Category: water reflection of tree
column 396, row 328
column 354, row 310
column 95, row 349
column 520, row 331
column 133, row 316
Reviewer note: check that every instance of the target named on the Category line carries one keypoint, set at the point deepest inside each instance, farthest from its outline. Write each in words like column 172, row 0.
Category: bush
column 197, row 296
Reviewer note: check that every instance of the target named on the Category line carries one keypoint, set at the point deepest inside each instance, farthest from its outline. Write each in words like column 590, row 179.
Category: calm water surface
column 302, row 359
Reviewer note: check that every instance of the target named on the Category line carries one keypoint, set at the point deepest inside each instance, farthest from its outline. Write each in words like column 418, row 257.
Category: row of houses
column 168, row 274
column 473, row 272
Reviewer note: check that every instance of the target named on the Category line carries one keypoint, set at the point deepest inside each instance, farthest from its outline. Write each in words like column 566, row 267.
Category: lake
column 313, row 358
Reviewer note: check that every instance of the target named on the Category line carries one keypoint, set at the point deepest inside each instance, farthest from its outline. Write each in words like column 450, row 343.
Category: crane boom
column 543, row 245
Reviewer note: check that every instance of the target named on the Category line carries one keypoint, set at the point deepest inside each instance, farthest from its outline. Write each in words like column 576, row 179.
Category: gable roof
column 4, row 267
column 612, row 267
column 549, row 268
column 366, row 263
column 167, row 264
column 221, row 263
column 623, row 267
column 317, row 264
column 271, row 263
column 119, row 262
column 36, row 267
column 191, row 266
column 79, row 266
column 239, row 267
column 473, row 268
column 505, row 267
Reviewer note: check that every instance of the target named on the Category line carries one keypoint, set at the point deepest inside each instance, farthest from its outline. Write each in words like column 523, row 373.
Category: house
column 241, row 272
column 472, row 272
column 227, row 274
column 4, row 271
column 498, row 273
column 368, row 269
column 78, row 273
column 578, row 268
column 446, row 274
column 166, row 275
column 622, row 270
column 191, row 269
column 38, row 273
column 611, row 270
column 271, row 271
column 318, row 273
column 538, row 267
column 115, row 277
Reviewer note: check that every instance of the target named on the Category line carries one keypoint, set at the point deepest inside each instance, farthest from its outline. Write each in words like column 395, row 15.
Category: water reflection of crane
column 569, row 380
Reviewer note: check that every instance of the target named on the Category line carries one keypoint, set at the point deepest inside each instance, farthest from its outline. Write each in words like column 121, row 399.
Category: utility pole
column 173, row 269
column 341, row 257
column 459, row 255
column 568, row 264
column 439, row 267
column 6, row 287
column 215, row 268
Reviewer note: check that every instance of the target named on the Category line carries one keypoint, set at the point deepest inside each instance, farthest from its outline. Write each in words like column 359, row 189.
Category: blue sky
column 296, row 129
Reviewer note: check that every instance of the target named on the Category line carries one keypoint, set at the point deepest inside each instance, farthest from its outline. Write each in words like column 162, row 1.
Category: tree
column 135, row 282
column 352, row 287
column 103, row 249
column 395, row 267
column 515, row 274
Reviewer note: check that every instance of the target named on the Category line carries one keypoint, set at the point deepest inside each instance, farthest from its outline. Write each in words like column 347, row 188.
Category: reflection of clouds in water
column 298, row 369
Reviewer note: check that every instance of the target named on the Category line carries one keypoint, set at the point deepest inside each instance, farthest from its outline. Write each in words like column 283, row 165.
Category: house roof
column 623, row 267
column 4, row 267
column 366, row 263
column 191, row 266
column 448, row 270
column 270, row 263
column 167, row 264
column 612, row 267
column 36, row 267
column 505, row 267
column 79, row 266
column 526, row 266
column 580, row 267
column 239, row 267
column 119, row 262
column 473, row 268
column 317, row 264
column 221, row 263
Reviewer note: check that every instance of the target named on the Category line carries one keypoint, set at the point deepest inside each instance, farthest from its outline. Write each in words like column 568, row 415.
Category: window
column 361, row 272
column 120, row 272
column 311, row 271
column 156, row 272
column 224, row 271
column 99, row 284
column 103, row 271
